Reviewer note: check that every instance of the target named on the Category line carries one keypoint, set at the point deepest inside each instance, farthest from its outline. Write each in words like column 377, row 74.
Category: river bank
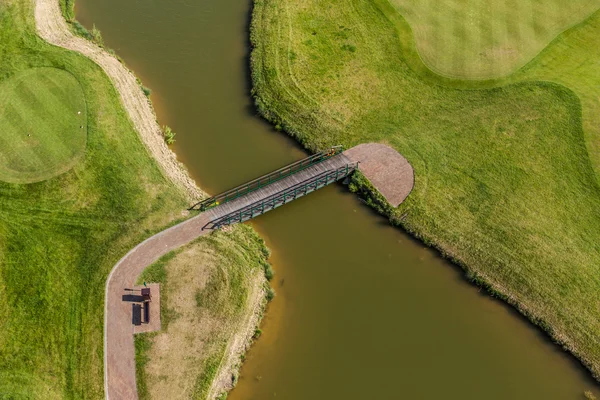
column 52, row 27
column 340, row 76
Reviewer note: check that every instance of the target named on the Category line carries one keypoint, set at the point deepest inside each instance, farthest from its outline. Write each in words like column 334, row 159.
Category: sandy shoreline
column 52, row 27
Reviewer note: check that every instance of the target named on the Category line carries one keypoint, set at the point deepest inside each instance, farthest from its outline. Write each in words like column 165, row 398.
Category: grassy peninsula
column 210, row 306
column 506, row 169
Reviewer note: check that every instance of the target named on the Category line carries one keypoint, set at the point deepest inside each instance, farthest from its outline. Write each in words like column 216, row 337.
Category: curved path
column 119, row 351
column 385, row 168
column 389, row 172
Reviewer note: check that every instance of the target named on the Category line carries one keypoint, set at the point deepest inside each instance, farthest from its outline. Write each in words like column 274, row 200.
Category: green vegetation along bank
column 505, row 170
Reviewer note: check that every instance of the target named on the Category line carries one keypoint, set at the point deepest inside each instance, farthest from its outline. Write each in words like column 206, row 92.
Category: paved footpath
column 119, row 352
column 388, row 171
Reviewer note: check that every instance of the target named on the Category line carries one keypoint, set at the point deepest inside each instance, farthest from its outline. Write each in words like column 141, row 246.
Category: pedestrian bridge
column 387, row 170
column 276, row 188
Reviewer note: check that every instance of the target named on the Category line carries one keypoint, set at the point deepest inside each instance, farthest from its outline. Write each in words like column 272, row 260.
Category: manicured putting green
column 487, row 38
column 43, row 125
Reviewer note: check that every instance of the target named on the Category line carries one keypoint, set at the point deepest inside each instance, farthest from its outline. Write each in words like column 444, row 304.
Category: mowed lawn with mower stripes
column 43, row 121
column 479, row 39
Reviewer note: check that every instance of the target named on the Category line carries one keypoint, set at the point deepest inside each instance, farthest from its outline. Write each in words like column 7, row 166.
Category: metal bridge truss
column 267, row 179
column 283, row 197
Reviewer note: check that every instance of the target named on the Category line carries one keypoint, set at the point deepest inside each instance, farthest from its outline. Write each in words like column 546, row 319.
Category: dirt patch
column 176, row 354
column 52, row 27
column 194, row 335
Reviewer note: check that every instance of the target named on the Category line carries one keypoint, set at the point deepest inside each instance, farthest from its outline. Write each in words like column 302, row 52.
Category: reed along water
column 362, row 310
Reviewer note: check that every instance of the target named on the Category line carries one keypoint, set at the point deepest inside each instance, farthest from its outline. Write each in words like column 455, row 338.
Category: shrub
column 270, row 294
column 80, row 30
column 67, row 7
column 269, row 271
column 589, row 395
column 169, row 135
column 147, row 91
column 97, row 36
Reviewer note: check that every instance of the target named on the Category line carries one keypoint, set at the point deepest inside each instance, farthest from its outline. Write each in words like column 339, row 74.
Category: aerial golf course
column 495, row 104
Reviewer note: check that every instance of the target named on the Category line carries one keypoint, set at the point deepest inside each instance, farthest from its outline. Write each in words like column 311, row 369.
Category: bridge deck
column 334, row 162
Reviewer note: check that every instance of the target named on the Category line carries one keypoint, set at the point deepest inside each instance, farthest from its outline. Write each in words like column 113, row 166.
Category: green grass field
column 487, row 38
column 43, row 121
column 59, row 238
column 505, row 170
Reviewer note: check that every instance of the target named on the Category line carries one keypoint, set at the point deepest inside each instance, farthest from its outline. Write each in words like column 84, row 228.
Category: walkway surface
column 119, row 351
column 387, row 170
column 332, row 163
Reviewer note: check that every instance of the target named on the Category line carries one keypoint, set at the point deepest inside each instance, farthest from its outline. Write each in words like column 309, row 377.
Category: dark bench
column 146, row 312
column 136, row 316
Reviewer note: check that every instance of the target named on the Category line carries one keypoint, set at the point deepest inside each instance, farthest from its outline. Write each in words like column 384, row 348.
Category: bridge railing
column 267, row 179
column 283, row 197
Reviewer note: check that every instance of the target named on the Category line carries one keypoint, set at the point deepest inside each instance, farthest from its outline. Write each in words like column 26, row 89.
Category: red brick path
column 119, row 354
column 385, row 168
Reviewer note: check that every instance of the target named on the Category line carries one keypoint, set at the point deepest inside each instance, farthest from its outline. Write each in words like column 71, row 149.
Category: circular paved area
column 386, row 169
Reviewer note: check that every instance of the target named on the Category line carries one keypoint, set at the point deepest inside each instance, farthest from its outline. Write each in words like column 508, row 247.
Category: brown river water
column 362, row 310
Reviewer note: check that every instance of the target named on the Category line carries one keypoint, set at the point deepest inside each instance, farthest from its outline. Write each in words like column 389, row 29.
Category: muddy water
column 362, row 311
